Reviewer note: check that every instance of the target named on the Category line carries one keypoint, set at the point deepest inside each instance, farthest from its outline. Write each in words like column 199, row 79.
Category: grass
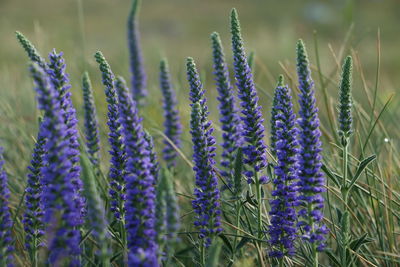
column 375, row 202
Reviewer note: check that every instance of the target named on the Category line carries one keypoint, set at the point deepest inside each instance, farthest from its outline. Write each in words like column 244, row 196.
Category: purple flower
column 229, row 117
column 207, row 196
column 155, row 166
column 138, row 72
column 60, row 81
column 311, row 180
column 91, row 122
column 115, row 138
column 253, row 129
column 6, row 241
column 33, row 216
column 140, row 190
column 283, row 228
column 61, row 213
column 173, row 127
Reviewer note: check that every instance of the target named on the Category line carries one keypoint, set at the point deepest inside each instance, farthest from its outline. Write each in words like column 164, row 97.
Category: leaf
column 363, row 164
column 250, row 199
column 357, row 243
column 331, row 175
column 226, row 241
column 242, row 242
column 332, row 257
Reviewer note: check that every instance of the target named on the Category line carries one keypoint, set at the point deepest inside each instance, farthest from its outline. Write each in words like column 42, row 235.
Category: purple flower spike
column 61, row 213
column 173, row 127
column 311, row 180
column 60, row 81
column 140, row 215
column 253, row 129
column 229, row 114
column 115, row 138
column 33, row 216
column 283, row 213
column 6, row 242
column 207, row 196
column 139, row 90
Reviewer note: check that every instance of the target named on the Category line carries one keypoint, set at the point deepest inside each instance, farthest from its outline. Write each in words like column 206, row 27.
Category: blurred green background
column 180, row 28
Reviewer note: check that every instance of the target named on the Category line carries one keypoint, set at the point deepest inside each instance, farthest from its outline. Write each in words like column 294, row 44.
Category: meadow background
column 179, row 28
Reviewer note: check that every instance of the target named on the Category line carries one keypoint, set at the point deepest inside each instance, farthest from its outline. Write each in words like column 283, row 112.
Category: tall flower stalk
column 229, row 114
column 140, row 190
column 139, row 77
column 55, row 69
column 254, row 148
column 284, row 195
column 115, row 138
column 311, row 180
column 61, row 213
column 60, row 81
column 345, row 131
column 274, row 115
column 33, row 216
column 91, row 121
column 172, row 125
column 207, row 195
column 95, row 212
column 6, row 241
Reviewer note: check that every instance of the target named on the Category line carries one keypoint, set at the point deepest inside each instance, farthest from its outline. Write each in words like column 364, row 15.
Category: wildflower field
column 220, row 157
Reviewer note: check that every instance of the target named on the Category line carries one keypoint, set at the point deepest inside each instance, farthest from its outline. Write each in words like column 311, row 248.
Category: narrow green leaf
column 332, row 258
column 363, row 164
column 331, row 175
column 357, row 243
column 226, row 241
column 242, row 243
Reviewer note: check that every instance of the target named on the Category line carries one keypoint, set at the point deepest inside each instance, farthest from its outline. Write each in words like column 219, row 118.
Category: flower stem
column 345, row 193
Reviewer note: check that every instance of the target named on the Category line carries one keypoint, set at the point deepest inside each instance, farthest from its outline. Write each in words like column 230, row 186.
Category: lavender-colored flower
column 207, row 196
column 229, row 114
column 60, row 81
column 60, row 210
column 274, row 112
column 311, row 180
column 91, row 122
column 253, row 129
column 283, row 213
column 6, row 241
column 140, row 191
column 173, row 127
column 345, row 101
column 138, row 72
column 155, row 166
column 33, row 216
column 117, row 152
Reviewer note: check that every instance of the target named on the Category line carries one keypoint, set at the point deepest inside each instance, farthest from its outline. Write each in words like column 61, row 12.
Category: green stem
column 202, row 254
column 315, row 255
column 237, row 229
column 259, row 219
column 345, row 193
column 258, row 191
